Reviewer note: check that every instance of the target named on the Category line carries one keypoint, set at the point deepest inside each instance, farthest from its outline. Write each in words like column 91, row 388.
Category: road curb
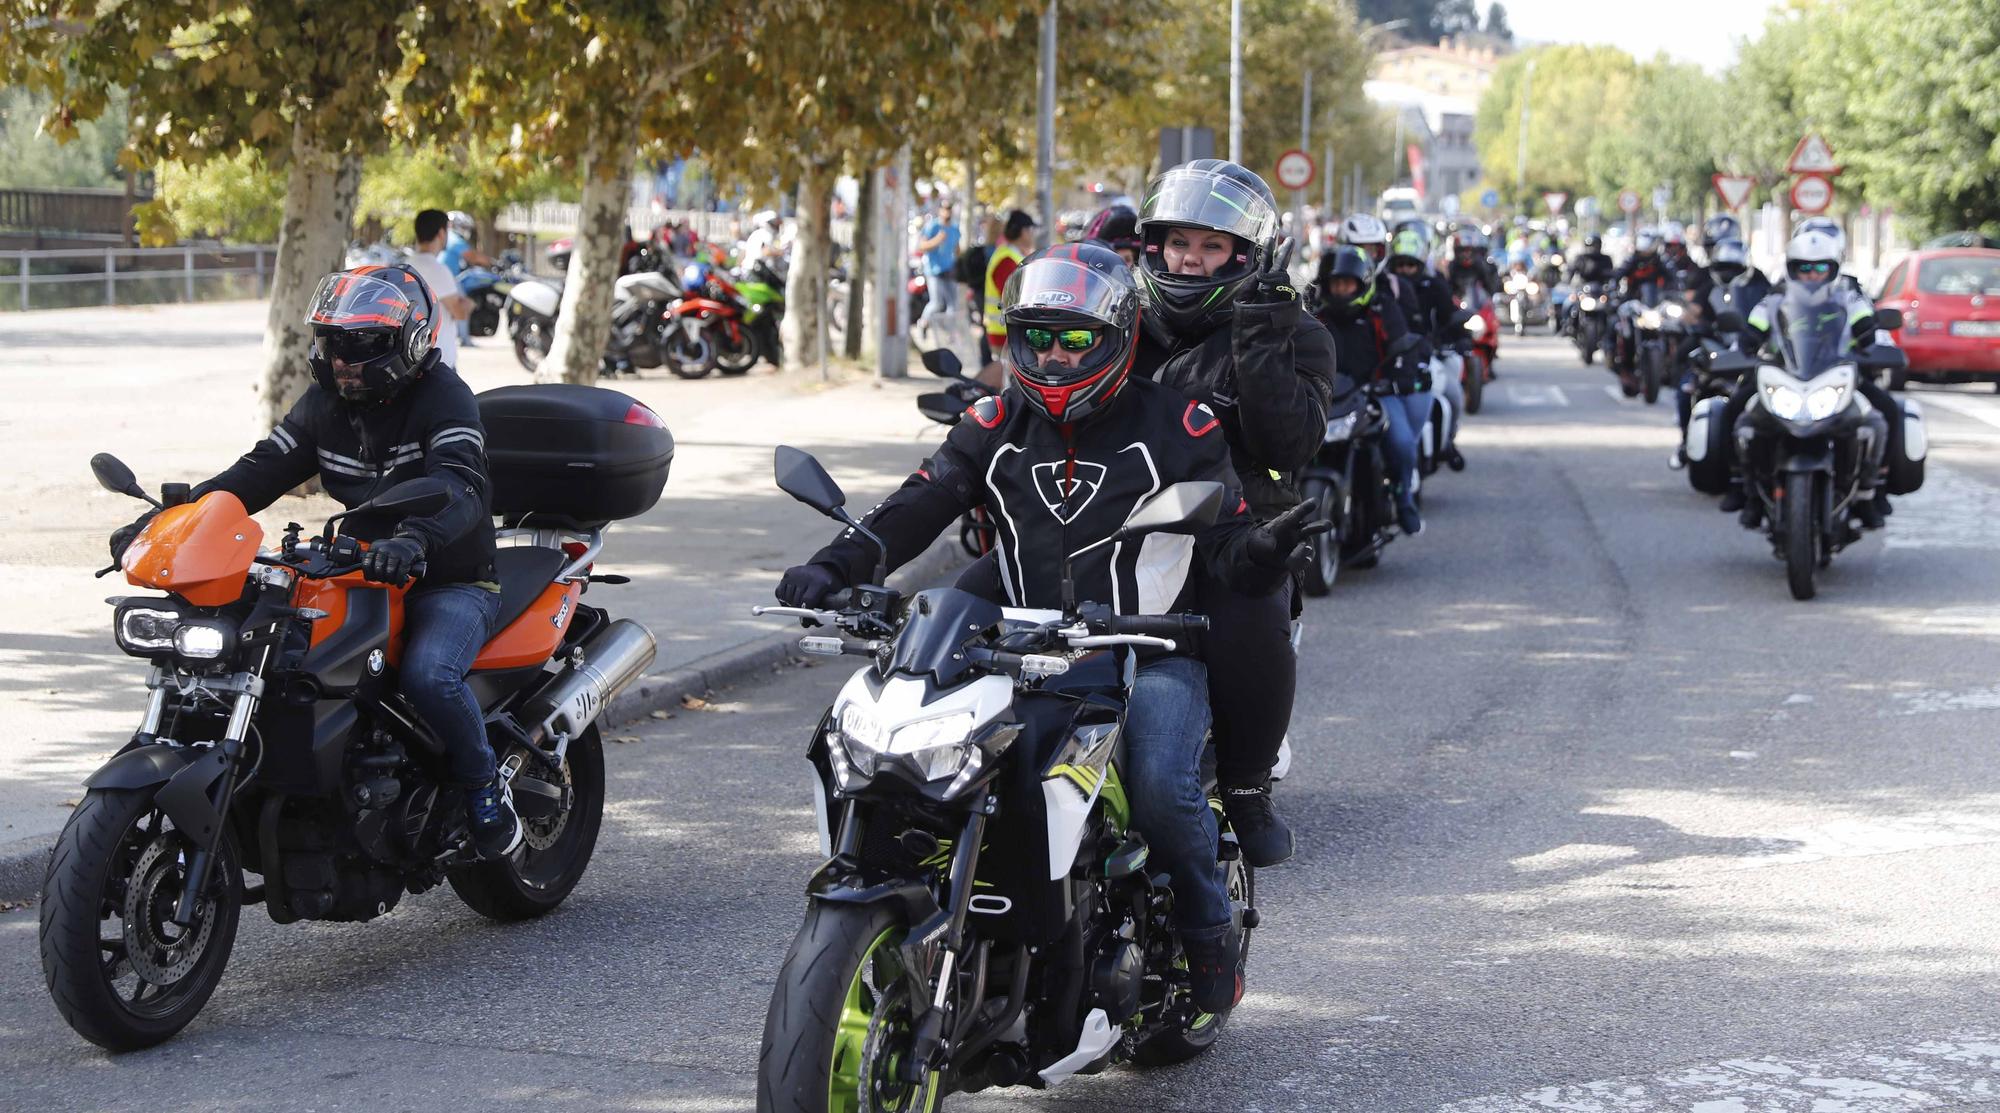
column 24, row 861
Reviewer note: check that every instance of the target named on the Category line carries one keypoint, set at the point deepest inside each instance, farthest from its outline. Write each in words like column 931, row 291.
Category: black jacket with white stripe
column 358, row 452
column 1054, row 489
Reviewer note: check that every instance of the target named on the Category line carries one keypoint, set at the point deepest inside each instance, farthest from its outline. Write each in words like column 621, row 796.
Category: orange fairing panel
column 200, row 550
column 532, row 638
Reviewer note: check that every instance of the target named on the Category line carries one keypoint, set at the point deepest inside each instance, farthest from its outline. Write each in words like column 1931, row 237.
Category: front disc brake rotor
column 161, row 951
column 882, row 1054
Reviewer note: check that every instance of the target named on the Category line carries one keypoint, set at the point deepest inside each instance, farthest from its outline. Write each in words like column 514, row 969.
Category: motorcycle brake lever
column 104, row 571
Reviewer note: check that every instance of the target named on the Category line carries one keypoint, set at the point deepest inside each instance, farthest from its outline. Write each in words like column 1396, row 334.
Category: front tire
column 1801, row 536
column 541, row 874
column 118, row 859
column 688, row 358
column 1649, row 377
column 841, row 979
column 1330, row 500
column 734, row 355
column 1475, row 380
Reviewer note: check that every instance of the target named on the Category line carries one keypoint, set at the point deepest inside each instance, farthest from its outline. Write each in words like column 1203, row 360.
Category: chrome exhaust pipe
column 611, row 660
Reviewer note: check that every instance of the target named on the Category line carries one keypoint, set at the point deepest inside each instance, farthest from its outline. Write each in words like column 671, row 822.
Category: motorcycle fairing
column 198, row 550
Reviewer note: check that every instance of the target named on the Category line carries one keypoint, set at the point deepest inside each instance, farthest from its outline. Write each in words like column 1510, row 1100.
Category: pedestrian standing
column 432, row 228
column 1014, row 246
column 940, row 250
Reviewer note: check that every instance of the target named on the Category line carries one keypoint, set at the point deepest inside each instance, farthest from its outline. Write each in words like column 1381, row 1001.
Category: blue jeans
column 444, row 629
column 943, row 301
column 1407, row 414
column 1166, row 724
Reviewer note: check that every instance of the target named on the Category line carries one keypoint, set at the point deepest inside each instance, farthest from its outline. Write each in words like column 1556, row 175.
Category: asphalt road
column 1593, row 817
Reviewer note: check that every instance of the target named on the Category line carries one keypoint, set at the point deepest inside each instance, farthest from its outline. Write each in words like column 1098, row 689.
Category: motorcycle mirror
column 1891, row 319
column 802, row 477
column 1181, row 508
column 412, row 498
column 940, row 407
column 944, row 363
column 1884, row 357
column 114, row 476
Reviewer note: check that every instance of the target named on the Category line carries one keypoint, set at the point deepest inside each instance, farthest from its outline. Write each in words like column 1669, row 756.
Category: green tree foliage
column 1579, row 100
column 1675, row 122
column 31, row 160
column 235, row 198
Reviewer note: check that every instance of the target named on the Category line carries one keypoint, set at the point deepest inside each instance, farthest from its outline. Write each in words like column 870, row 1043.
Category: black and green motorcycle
column 985, row 916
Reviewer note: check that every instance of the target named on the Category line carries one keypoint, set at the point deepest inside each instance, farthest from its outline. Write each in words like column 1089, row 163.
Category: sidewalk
column 168, row 390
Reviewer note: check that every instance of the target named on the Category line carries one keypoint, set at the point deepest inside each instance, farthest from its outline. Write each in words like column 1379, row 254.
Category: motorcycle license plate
column 1975, row 328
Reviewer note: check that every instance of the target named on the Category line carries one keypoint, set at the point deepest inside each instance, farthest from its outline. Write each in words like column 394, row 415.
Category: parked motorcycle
column 488, row 290
column 986, row 916
column 276, row 739
column 715, row 325
column 1809, row 434
column 1349, row 483
column 532, row 306
column 946, row 407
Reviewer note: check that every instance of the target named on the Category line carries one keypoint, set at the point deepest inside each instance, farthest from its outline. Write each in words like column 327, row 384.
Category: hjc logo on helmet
column 1055, row 297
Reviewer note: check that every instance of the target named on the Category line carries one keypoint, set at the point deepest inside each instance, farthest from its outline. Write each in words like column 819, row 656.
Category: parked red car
column 1950, row 299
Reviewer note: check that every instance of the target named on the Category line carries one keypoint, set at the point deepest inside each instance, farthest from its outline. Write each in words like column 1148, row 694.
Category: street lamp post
column 1045, row 129
column 1236, row 81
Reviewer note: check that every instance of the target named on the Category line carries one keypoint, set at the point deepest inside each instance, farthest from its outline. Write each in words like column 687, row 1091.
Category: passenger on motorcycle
column 1224, row 326
column 1061, row 457
column 1375, row 346
column 1428, row 310
column 383, row 409
column 1116, row 226
column 1812, row 267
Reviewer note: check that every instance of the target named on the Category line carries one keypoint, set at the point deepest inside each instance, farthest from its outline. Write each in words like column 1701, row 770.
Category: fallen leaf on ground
column 694, row 703
column 662, row 713
column 67, row 804
column 624, row 738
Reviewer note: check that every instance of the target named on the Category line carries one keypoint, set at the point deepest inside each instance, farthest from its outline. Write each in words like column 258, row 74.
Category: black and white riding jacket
column 358, row 452
column 1055, row 489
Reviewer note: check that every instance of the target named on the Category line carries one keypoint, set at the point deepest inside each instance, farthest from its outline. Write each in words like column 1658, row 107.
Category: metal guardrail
column 151, row 265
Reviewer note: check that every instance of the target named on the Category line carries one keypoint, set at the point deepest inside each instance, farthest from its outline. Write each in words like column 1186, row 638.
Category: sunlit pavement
column 1593, row 817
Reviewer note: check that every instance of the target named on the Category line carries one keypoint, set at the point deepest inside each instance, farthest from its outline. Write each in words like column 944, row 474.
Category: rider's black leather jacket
column 1055, row 489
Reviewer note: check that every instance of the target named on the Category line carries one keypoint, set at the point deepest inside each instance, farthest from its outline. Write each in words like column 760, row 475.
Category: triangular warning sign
column 1733, row 190
column 1555, row 202
column 1812, row 156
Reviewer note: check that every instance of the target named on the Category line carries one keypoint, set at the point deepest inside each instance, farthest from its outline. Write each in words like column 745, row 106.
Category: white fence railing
column 152, row 267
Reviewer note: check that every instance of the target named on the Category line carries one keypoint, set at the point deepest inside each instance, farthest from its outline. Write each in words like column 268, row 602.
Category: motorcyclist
column 1224, row 325
column 1587, row 267
column 383, row 409
column 1430, row 314
column 1688, row 276
column 1812, row 266
column 1644, row 268
column 1061, row 457
column 1116, row 226
column 1366, row 234
column 1831, row 228
column 1470, row 263
column 1375, row 347
column 1716, row 229
column 1735, row 283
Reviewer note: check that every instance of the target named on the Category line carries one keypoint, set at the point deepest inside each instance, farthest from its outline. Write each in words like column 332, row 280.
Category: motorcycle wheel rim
column 868, row 1033
column 141, row 888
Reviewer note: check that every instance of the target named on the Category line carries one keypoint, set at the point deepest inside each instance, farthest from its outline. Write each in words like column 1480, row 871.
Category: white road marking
column 1536, row 394
column 1615, row 393
column 1930, row 701
column 1964, row 405
column 1963, row 1066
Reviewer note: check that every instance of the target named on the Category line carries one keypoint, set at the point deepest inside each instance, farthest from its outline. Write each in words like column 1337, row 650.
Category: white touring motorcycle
column 986, row 916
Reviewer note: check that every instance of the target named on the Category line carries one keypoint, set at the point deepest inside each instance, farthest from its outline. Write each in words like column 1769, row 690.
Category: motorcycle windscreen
column 940, row 622
column 1812, row 331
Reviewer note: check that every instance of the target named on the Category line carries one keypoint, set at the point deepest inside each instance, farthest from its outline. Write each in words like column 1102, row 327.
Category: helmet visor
column 1062, row 294
column 350, row 301
column 1198, row 199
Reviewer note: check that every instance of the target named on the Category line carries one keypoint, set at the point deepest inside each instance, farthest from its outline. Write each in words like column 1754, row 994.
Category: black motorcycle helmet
column 1213, row 195
column 1593, row 242
column 1469, row 246
column 1116, row 226
column 1718, row 228
column 1077, row 297
column 1727, row 261
column 381, row 319
column 1346, row 262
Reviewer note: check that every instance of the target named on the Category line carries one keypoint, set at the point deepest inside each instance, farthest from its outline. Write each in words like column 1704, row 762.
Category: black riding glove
column 1273, row 285
column 123, row 536
column 390, row 561
column 1281, row 542
column 808, row 585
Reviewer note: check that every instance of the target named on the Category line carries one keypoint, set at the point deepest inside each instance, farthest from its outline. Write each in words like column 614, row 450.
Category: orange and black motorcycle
column 276, row 741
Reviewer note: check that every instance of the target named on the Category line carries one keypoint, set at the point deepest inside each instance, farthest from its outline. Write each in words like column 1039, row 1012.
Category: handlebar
column 1170, row 626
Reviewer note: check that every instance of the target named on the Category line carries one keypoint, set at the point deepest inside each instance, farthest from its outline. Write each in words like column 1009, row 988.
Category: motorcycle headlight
column 203, row 640
column 1341, row 428
column 1534, row 288
column 1476, row 326
column 145, row 631
column 1674, row 311
column 940, row 749
column 1650, row 319
column 1784, row 401
column 1825, row 401
column 1587, row 302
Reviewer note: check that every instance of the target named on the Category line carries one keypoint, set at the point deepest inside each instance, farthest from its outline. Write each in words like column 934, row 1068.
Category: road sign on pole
column 1628, row 201
column 1295, row 169
column 1555, row 202
column 1812, row 193
column 1490, row 199
column 1812, row 156
column 1733, row 190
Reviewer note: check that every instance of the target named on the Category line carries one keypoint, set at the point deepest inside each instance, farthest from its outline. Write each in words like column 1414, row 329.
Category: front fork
column 223, row 794
column 928, row 1047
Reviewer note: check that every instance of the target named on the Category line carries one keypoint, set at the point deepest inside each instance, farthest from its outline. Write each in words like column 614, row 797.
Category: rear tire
column 689, row 359
column 1178, row 1045
column 534, row 880
column 733, row 357
column 106, row 849
column 1801, row 534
